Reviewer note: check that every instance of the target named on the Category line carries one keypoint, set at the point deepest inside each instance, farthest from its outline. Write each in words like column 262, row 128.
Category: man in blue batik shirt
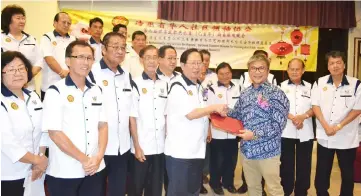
column 263, row 109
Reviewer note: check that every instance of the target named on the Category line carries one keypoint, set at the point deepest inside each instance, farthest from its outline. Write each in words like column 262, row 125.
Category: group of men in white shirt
column 107, row 101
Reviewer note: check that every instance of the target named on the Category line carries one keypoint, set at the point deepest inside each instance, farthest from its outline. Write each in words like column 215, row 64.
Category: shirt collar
column 103, row 65
column 188, row 81
column 220, row 84
column 7, row 93
column 343, row 82
column 146, row 77
column 209, row 71
column 58, row 34
column 24, row 34
column 70, row 82
column 161, row 73
column 92, row 41
column 290, row 82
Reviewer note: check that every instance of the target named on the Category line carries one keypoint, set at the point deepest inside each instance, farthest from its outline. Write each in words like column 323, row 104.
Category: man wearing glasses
column 336, row 104
column 117, row 90
column 263, row 109
column 76, row 121
column 53, row 45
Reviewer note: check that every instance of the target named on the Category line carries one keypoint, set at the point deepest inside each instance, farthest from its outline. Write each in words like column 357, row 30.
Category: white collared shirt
column 219, row 94
column 186, row 139
column 28, row 47
column 165, row 78
column 52, row 44
column 300, row 102
column 246, row 81
column 149, row 102
column 335, row 104
column 97, row 49
column 132, row 63
column 20, row 132
column 117, row 91
column 77, row 114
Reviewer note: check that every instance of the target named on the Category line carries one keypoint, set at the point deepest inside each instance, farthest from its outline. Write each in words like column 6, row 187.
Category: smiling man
column 336, row 104
column 263, row 108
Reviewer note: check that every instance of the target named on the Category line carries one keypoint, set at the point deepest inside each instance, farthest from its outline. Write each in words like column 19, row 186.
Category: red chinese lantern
column 296, row 37
column 305, row 50
column 281, row 49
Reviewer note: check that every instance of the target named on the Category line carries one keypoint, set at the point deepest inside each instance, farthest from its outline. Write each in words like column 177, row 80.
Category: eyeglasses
column 196, row 64
column 148, row 58
column 170, row 59
column 117, row 48
column 255, row 69
column 83, row 58
column 13, row 71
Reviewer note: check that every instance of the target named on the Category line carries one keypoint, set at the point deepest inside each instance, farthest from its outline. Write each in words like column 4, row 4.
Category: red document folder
column 226, row 123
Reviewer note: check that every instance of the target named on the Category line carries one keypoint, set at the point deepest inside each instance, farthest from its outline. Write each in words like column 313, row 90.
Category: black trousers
column 87, row 186
column 299, row 154
column 147, row 176
column 346, row 159
column 184, row 176
column 12, row 187
column 224, row 154
column 116, row 171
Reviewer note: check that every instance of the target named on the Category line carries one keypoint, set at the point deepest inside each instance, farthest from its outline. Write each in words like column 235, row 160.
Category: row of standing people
column 106, row 82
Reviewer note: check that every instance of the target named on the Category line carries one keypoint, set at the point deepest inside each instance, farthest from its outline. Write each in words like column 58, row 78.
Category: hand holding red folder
column 228, row 124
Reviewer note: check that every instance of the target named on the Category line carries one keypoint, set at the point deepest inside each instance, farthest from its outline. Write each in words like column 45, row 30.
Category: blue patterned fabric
column 264, row 112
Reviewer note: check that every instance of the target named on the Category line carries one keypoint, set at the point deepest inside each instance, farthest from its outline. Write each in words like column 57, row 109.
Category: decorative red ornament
column 296, row 37
column 305, row 49
column 281, row 49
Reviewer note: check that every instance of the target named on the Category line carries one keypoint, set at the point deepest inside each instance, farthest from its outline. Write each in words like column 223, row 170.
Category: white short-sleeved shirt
column 300, row 102
column 132, row 63
column 97, row 49
column 219, row 94
column 53, row 44
column 165, row 78
column 335, row 104
column 150, row 98
column 77, row 114
column 28, row 47
column 20, row 132
column 117, row 91
column 246, row 81
column 210, row 79
column 186, row 139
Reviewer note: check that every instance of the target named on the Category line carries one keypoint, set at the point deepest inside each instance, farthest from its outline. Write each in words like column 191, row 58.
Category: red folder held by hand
column 226, row 123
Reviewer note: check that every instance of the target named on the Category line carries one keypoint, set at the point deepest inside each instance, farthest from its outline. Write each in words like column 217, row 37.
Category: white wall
column 354, row 32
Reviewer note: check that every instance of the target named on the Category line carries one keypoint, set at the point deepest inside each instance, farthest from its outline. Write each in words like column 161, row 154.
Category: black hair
column 107, row 37
column 203, row 52
column 260, row 52
column 335, row 54
column 185, row 55
column 163, row 49
column 296, row 59
column 117, row 27
column 138, row 33
column 56, row 17
column 9, row 56
column 223, row 65
column 94, row 20
column 6, row 15
column 145, row 49
column 69, row 48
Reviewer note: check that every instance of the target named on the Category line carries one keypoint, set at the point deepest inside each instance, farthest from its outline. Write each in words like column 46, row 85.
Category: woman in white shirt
column 20, row 112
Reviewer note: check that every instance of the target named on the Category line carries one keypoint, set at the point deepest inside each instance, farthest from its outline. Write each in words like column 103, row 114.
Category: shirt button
column 88, row 143
column 87, row 131
column 86, row 119
column 86, row 107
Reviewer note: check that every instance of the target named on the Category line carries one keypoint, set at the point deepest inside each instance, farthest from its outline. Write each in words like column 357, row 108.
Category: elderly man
column 263, row 108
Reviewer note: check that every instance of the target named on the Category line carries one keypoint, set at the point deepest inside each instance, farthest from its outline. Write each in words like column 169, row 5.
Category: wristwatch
column 254, row 136
column 339, row 125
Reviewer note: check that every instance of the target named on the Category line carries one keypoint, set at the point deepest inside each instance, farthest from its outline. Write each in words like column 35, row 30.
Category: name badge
column 346, row 93
column 306, row 94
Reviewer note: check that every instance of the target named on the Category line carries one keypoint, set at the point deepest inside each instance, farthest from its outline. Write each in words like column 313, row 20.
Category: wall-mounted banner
column 232, row 43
